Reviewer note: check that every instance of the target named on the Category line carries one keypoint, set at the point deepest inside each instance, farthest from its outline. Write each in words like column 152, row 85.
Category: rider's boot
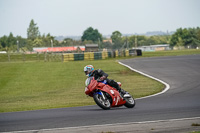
column 124, row 93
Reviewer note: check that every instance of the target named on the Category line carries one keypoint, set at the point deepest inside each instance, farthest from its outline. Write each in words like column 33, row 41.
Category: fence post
column 62, row 57
column 8, row 57
column 23, row 54
column 38, row 56
column 45, row 56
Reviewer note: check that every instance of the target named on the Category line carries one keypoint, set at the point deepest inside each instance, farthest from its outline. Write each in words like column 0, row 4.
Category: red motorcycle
column 106, row 96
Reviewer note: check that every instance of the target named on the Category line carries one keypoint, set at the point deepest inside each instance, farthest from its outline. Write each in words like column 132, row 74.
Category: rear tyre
column 130, row 102
column 103, row 103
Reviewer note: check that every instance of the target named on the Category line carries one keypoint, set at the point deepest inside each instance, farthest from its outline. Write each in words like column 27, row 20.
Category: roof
column 91, row 45
column 58, row 49
column 160, row 45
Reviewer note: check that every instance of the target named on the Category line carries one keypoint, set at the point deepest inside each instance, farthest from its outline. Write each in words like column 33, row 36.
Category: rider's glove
column 102, row 78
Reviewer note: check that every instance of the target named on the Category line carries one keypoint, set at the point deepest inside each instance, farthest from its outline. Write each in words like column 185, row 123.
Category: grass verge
column 171, row 53
column 44, row 85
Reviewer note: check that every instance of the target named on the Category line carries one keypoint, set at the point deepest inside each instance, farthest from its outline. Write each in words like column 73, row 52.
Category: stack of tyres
column 139, row 52
column 68, row 57
column 89, row 56
column 98, row 56
column 78, row 57
column 127, row 53
column 109, row 54
column 104, row 54
column 116, row 53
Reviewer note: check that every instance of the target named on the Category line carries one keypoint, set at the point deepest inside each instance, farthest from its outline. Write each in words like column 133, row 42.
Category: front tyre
column 130, row 102
column 103, row 103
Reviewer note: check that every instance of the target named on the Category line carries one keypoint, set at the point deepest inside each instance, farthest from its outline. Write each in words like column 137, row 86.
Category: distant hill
column 150, row 33
column 61, row 38
column 153, row 33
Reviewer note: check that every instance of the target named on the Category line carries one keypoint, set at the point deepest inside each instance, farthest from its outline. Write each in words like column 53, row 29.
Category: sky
column 73, row 17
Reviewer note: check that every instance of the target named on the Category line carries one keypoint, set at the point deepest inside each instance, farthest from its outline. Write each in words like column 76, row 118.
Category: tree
column 4, row 41
column 116, row 36
column 91, row 34
column 186, row 37
column 180, row 42
column 37, row 42
column 22, row 41
column 12, row 43
column 107, row 45
column 33, row 31
column 198, row 33
column 68, row 42
column 47, row 40
column 116, row 39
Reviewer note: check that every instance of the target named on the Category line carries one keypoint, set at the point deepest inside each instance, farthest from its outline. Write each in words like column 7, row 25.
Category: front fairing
column 90, row 85
column 87, row 81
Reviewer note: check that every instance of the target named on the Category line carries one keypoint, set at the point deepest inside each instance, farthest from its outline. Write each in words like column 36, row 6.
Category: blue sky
column 72, row 17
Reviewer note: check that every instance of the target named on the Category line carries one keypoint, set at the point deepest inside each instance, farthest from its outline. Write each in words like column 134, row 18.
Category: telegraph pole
column 52, row 43
column 135, row 44
column 17, row 46
column 135, row 41
column 127, row 46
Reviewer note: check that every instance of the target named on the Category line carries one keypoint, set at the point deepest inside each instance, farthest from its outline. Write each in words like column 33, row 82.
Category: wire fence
column 35, row 57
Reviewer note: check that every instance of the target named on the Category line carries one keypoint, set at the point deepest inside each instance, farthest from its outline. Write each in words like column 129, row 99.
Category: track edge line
column 167, row 86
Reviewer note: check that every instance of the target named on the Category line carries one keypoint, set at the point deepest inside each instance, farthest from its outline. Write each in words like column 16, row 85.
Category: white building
column 159, row 47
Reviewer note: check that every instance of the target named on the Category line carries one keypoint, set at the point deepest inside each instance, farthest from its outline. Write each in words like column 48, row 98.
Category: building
column 159, row 47
column 91, row 47
column 107, row 40
column 59, row 49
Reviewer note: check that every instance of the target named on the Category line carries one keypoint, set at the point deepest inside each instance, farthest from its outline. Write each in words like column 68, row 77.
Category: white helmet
column 88, row 70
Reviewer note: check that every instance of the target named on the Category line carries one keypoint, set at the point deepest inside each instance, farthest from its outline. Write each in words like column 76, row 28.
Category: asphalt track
column 182, row 100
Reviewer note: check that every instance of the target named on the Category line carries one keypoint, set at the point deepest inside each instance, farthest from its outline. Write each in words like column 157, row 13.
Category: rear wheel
column 101, row 102
column 130, row 102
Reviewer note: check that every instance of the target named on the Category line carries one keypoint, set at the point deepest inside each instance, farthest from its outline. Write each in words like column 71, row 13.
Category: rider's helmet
column 89, row 69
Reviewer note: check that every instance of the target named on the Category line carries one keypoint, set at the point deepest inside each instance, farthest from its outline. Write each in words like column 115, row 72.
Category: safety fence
column 33, row 57
column 94, row 55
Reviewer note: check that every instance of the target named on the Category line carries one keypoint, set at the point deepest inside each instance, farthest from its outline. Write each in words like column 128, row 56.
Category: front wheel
column 130, row 102
column 103, row 103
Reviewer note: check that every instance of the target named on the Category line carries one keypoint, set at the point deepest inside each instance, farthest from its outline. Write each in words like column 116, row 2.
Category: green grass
column 171, row 53
column 44, row 85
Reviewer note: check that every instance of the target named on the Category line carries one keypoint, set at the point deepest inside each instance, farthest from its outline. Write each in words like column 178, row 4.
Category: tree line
column 182, row 37
column 186, row 37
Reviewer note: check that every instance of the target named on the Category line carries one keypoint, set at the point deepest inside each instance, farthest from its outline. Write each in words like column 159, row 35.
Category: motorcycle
column 106, row 96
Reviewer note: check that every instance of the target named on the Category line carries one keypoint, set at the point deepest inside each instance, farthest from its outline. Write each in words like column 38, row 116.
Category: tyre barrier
column 94, row 55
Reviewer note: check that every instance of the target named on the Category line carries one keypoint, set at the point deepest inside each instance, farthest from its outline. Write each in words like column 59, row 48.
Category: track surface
column 182, row 100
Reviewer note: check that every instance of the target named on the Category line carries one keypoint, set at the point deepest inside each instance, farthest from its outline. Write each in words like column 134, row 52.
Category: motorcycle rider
column 101, row 76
